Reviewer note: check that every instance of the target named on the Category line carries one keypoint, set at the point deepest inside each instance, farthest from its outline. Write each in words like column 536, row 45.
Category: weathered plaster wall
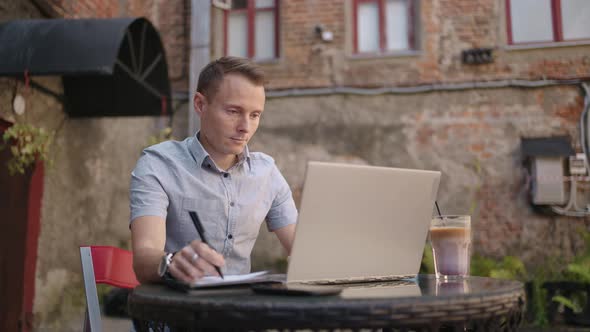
column 85, row 202
column 472, row 136
column 85, row 198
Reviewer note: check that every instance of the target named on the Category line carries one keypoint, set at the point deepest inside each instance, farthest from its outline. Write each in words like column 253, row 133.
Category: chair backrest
column 104, row 265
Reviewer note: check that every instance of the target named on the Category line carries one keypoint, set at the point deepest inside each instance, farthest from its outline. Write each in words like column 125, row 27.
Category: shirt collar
column 244, row 156
column 197, row 150
column 201, row 155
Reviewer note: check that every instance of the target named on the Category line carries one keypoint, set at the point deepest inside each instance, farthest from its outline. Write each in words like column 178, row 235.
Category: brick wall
column 446, row 28
column 171, row 19
column 303, row 60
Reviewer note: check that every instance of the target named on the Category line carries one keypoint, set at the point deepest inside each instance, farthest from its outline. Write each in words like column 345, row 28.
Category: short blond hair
column 212, row 75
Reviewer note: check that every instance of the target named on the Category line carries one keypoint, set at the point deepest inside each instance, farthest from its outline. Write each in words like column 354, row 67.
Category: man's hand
column 148, row 237
column 195, row 261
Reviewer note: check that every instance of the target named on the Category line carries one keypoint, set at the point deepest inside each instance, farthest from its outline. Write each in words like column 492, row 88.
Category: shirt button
column 230, row 237
column 225, row 175
column 231, row 204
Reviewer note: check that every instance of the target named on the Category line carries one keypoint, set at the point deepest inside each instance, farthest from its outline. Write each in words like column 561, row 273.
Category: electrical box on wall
column 545, row 159
column 547, row 186
column 577, row 164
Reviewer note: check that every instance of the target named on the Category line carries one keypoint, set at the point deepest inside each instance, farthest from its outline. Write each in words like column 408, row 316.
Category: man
column 214, row 174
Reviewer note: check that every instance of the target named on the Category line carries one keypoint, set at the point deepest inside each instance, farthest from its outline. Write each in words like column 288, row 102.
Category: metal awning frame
column 120, row 53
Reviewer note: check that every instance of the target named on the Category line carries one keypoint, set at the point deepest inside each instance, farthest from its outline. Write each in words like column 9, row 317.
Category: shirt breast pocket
column 211, row 213
column 252, row 218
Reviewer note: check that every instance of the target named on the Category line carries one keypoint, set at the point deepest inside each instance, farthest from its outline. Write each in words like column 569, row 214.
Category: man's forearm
column 148, row 237
column 286, row 236
column 145, row 264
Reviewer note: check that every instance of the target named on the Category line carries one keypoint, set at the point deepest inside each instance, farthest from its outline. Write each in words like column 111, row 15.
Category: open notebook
column 229, row 280
column 356, row 223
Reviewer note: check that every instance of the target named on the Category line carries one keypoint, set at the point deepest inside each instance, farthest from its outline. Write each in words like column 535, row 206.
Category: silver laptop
column 361, row 223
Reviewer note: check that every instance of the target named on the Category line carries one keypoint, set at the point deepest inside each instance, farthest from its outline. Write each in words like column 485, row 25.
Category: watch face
column 164, row 262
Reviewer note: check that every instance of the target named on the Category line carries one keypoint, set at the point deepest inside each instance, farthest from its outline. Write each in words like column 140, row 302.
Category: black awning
column 556, row 146
column 110, row 67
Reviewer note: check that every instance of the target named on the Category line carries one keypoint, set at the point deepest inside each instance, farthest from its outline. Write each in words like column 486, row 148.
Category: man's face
column 231, row 117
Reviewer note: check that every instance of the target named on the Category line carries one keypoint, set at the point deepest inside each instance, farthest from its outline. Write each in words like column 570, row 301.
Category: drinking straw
column 437, row 209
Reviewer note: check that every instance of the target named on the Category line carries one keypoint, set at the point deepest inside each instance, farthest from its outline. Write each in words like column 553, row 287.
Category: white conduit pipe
column 420, row 88
column 572, row 209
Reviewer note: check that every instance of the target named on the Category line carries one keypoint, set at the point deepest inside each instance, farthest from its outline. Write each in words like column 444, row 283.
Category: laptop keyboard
column 365, row 281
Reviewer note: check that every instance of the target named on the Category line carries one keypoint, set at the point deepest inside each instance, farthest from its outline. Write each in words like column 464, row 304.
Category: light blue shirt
column 173, row 178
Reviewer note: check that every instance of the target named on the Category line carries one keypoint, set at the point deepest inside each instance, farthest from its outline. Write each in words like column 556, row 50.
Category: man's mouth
column 237, row 139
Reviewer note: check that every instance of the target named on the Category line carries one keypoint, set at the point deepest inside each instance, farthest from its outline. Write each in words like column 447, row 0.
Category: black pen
column 201, row 232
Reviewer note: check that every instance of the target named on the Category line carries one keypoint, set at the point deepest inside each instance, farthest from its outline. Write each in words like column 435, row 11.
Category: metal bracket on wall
column 45, row 90
column 477, row 56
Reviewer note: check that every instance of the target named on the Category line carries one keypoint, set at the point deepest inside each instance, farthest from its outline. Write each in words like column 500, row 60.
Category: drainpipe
column 199, row 54
column 585, row 124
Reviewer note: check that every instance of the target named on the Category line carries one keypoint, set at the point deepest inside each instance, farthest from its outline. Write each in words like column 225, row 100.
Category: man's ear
column 199, row 103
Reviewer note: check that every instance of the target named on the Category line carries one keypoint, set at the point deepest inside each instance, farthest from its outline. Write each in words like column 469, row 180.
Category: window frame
column 383, row 27
column 556, row 20
column 251, row 11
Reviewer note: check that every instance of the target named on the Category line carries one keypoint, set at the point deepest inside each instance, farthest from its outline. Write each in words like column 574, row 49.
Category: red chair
column 104, row 265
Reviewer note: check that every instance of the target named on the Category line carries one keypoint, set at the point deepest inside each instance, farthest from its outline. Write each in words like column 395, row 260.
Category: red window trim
column 382, row 31
column 412, row 24
column 556, row 20
column 508, row 22
column 251, row 11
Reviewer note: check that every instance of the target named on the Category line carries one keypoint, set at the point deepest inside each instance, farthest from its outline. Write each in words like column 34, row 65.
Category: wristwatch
column 164, row 264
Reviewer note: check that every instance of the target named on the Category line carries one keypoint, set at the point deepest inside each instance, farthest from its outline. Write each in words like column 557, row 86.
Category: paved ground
column 555, row 329
column 116, row 324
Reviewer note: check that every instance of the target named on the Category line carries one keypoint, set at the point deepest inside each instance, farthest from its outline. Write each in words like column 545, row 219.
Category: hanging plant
column 28, row 144
column 162, row 136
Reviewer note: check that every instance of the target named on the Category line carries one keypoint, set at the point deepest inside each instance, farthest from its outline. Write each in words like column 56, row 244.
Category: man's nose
column 244, row 124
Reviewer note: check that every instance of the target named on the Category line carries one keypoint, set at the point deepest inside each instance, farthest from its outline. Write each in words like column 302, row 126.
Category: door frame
column 21, row 260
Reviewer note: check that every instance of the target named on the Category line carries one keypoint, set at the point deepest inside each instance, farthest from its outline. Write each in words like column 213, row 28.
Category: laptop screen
column 359, row 221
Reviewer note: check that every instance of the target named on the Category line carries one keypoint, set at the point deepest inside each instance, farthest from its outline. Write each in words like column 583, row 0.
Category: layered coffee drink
column 450, row 238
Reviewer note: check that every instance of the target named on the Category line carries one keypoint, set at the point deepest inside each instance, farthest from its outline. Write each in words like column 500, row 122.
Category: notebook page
column 228, row 279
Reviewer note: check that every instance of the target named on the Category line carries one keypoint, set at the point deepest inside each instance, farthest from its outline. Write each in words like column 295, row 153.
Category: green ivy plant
column 577, row 271
column 28, row 144
column 163, row 135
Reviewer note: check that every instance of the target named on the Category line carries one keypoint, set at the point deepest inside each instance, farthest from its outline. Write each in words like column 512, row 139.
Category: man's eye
column 255, row 116
column 232, row 111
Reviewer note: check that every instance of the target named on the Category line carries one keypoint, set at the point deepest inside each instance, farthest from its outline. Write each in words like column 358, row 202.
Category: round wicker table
column 473, row 303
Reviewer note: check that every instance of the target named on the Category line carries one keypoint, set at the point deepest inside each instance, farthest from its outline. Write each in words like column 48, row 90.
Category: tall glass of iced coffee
column 450, row 237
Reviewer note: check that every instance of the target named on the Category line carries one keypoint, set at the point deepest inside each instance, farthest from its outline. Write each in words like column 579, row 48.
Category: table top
column 425, row 301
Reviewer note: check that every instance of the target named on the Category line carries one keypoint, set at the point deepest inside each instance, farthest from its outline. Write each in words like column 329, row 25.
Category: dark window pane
column 239, row 4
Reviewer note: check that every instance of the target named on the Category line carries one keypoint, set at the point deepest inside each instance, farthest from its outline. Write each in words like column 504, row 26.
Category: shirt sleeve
column 282, row 211
column 147, row 197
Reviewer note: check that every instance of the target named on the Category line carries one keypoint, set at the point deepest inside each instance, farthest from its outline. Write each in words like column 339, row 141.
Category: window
column 384, row 25
column 251, row 29
column 537, row 21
